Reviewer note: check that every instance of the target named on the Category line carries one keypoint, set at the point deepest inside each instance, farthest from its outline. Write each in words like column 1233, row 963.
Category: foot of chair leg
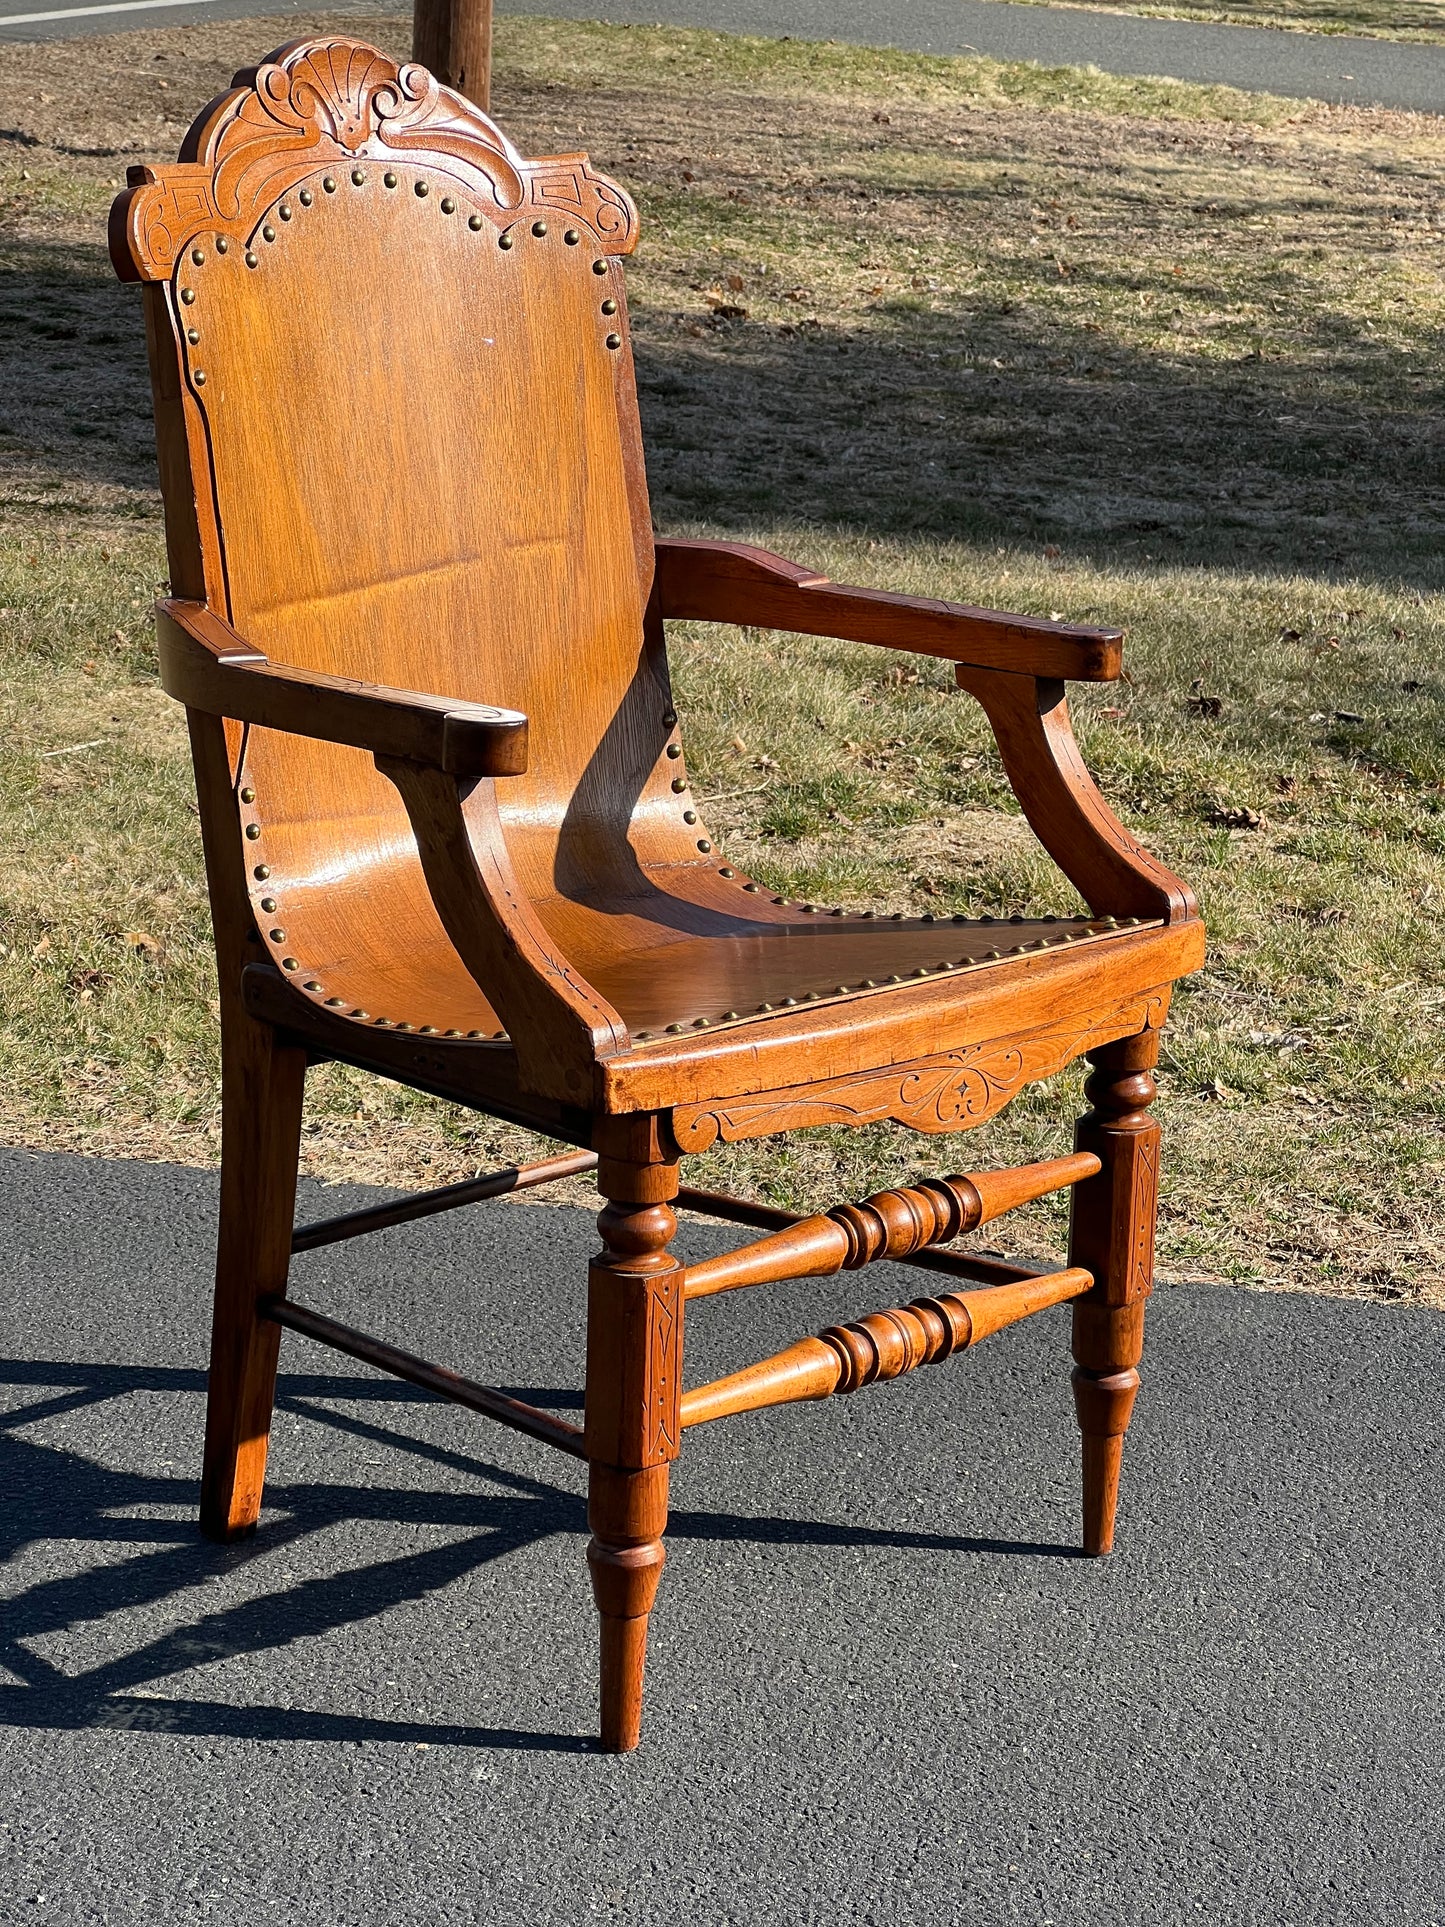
column 627, row 1512
column 263, row 1083
column 1104, row 1402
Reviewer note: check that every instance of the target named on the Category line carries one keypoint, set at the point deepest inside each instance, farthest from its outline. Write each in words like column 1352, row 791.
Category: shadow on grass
column 56, row 1494
column 1003, row 425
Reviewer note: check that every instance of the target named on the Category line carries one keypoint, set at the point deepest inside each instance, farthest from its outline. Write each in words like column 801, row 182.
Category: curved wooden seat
column 419, row 626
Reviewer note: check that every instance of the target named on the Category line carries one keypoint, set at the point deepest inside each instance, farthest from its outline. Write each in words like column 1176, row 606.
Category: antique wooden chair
column 417, row 624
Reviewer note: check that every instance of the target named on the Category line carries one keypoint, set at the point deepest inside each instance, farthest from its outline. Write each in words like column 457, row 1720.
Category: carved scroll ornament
column 334, row 101
column 953, row 1091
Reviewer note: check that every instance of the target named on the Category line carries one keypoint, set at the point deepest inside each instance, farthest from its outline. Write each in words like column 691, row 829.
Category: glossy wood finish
column 884, row 1345
column 418, row 623
column 512, row 1412
column 1111, row 1233
column 634, row 1427
column 890, row 1225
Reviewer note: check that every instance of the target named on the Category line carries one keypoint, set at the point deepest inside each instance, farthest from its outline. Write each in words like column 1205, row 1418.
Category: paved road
column 883, row 1688
column 1305, row 66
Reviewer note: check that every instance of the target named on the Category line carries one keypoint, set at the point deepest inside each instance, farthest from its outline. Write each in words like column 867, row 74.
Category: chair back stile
column 402, row 367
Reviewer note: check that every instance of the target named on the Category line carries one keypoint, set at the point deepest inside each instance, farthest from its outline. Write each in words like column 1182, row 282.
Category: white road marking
column 113, row 6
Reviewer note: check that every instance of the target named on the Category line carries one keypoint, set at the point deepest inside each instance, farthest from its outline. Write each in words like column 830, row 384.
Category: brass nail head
column 609, row 306
column 305, row 197
column 572, row 237
column 198, row 255
column 474, row 222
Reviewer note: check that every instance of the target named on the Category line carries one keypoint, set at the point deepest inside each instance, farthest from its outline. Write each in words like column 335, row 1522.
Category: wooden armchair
column 417, row 625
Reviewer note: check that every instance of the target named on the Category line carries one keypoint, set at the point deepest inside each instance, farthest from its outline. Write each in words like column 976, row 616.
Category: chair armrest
column 1114, row 874
column 206, row 665
column 730, row 582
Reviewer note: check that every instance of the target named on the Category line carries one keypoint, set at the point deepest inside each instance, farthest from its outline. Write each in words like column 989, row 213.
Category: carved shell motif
column 316, row 101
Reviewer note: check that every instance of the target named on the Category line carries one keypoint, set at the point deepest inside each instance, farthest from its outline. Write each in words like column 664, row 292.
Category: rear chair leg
column 634, row 1386
column 1111, row 1234
column 262, row 1084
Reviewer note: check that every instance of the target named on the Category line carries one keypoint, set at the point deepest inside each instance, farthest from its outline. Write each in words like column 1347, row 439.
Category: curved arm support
column 731, row 582
column 1115, row 875
column 559, row 1025
column 208, row 666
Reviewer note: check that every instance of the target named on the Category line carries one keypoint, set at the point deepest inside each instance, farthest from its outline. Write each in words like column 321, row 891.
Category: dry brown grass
column 1418, row 20
column 1133, row 350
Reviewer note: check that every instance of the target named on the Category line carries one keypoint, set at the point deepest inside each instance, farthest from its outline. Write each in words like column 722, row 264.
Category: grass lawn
column 1377, row 19
column 1120, row 349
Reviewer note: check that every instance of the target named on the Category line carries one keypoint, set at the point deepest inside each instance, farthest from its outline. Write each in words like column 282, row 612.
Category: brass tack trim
column 278, row 936
column 922, row 971
column 335, row 1003
column 701, row 1023
column 193, row 335
column 401, row 1026
column 248, row 795
column 261, row 872
column 703, row 845
column 387, row 180
column 422, row 190
column 380, row 1022
column 572, row 236
column 843, row 989
column 329, row 183
column 539, row 228
column 428, row 1030
column 991, row 956
column 725, row 872
column 362, row 1016
column 268, row 906
column 476, row 1033
column 199, row 378
column 753, row 889
column 673, row 1029
column 763, row 1007
column 689, row 816
column 357, row 177
column 253, row 830
column 679, row 784
column 188, row 295
column 311, row 984
column 251, row 260
column 669, row 718
column 599, row 267
column 284, row 212
column 674, row 750
column 290, row 963
column 198, row 255
column 614, row 341
column 223, row 246
column 268, row 233
column 894, row 977
column 452, row 1033
column 305, row 197
column 609, row 306
column 504, row 240
column 787, row 1003
column 641, row 1034
column 730, row 1016
column 448, row 205
column 474, row 222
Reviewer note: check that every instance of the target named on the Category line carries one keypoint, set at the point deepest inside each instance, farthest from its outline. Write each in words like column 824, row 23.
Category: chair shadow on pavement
column 57, row 1494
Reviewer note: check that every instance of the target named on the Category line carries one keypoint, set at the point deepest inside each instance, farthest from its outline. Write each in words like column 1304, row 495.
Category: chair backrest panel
column 408, row 393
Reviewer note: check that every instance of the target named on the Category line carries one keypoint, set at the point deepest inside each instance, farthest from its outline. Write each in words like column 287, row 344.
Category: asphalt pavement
column 1325, row 67
column 883, row 1686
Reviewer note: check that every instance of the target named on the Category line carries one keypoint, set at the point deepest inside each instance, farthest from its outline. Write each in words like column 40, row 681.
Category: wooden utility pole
column 454, row 39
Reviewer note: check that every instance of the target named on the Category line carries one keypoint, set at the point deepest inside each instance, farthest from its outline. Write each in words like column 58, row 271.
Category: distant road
column 1378, row 73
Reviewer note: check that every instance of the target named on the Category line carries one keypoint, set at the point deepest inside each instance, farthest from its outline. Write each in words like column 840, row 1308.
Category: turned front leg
column 1111, row 1234
column 633, row 1431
